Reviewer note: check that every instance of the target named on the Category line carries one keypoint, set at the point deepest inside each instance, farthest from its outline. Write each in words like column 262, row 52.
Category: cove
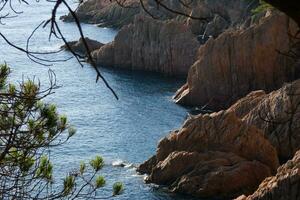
column 124, row 131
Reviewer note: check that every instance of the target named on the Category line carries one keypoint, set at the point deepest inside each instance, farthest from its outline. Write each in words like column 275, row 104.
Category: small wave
column 121, row 163
column 117, row 163
column 139, row 175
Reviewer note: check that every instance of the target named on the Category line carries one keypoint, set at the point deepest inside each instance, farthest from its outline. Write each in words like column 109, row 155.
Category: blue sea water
column 125, row 130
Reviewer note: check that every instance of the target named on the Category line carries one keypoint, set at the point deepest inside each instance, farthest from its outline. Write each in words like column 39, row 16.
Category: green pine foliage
column 29, row 128
column 118, row 188
column 263, row 6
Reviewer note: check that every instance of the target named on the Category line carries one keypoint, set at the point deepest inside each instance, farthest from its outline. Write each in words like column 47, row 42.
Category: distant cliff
column 219, row 14
column 168, row 44
column 168, row 47
column 105, row 13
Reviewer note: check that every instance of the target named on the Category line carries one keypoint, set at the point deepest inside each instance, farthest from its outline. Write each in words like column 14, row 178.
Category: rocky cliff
column 168, row 44
column 215, row 155
column 238, row 62
column 105, row 13
column 226, row 154
column 234, row 151
column 219, row 14
column 284, row 185
column 277, row 114
column 166, row 47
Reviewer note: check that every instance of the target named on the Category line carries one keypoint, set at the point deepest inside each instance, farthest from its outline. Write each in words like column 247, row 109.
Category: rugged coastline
column 250, row 137
column 241, row 61
column 249, row 149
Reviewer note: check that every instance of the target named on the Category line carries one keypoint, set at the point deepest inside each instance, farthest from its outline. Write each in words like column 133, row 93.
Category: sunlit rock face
column 277, row 114
column 213, row 155
column 166, row 47
column 284, row 185
column 229, row 153
column 105, row 13
column 241, row 61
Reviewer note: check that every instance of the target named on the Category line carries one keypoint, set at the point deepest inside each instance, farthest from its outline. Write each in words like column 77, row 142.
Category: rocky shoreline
column 235, row 64
column 228, row 153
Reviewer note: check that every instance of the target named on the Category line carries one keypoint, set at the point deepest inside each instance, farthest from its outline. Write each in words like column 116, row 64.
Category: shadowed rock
column 79, row 47
column 166, row 47
column 284, row 185
column 277, row 114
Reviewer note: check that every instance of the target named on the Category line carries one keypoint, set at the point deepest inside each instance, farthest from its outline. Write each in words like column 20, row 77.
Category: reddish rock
column 210, row 174
column 238, row 62
column 166, row 47
column 225, row 154
column 211, row 155
column 284, row 185
column 277, row 114
column 244, row 105
column 105, row 13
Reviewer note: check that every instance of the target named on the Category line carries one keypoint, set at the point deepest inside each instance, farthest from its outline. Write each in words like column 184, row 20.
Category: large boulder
column 284, row 185
column 211, row 155
column 168, row 47
column 241, row 61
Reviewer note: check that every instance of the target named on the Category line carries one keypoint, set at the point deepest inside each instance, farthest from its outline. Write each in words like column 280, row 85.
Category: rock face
column 105, row 13
column 87, row 10
column 277, row 114
column 166, row 47
column 211, row 155
column 78, row 46
column 284, row 185
column 221, row 14
column 238, row 62
column 225, row 154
